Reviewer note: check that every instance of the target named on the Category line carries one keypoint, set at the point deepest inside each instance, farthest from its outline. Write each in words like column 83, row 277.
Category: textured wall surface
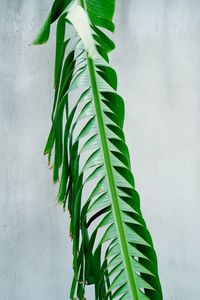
column 158, row 63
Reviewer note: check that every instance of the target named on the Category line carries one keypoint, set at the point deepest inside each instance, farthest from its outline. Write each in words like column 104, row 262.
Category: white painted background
column 158, row 63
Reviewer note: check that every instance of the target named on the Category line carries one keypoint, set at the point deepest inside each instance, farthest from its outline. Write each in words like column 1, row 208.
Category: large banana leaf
column 112, row 247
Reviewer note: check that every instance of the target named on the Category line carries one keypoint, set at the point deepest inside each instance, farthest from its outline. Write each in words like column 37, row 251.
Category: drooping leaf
column 57, row 8
column 112, row 247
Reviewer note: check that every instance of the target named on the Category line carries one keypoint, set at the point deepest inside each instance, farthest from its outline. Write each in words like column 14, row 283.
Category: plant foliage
column 112, row 248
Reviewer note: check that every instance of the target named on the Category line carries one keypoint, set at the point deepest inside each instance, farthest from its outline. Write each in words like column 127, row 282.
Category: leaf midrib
column 111, row 181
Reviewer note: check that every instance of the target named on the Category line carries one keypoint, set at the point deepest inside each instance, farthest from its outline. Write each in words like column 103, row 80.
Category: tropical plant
column 112, row 248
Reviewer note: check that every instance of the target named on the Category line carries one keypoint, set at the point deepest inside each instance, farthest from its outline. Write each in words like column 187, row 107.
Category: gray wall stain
column 158, row 63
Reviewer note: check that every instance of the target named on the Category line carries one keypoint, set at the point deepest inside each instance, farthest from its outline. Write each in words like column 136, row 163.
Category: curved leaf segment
column 112, row 247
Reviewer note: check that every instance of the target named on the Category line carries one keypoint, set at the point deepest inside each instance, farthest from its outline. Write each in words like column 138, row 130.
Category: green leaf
column 101, row 38
column 112, row 247
column 60, row 48
column 101, row 12
column 57, row 8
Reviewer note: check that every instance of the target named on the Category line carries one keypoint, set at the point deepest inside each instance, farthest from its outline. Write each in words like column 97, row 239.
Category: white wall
column 158, row 63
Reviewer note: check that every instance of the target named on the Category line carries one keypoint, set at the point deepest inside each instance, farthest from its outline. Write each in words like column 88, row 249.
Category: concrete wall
column 158, row 63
